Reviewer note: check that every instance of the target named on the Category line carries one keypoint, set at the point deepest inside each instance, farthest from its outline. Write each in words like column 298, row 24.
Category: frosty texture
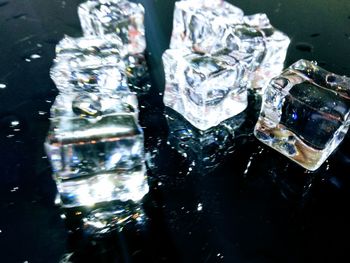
column 305, row 113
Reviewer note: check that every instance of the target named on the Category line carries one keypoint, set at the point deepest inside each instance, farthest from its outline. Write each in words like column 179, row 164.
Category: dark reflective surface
column 253, row 205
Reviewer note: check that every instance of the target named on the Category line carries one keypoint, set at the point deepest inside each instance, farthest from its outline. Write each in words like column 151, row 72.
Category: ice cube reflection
column 205, row 149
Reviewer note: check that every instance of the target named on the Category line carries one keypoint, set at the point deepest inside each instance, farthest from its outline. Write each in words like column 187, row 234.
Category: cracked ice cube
column 204, row 89
column 97, row 155
column 305, row 113
column 121, row 17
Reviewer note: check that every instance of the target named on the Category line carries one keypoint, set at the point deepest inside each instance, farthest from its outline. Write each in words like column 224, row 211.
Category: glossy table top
column 250, row 205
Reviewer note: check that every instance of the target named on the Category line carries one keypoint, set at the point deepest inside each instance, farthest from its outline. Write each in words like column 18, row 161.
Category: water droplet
column 14, row 123
column 248, row 166
column 331, row 78
column 42, row 113
column 9, row 125
column 2, row 86
column 87, row 105
column 35, row 56
column 14, row 189
column 66, row 258
column 199, row 207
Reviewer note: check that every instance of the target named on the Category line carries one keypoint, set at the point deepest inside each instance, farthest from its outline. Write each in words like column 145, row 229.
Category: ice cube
column 121, row 17
column 89, row 64
column 205, row 89
column 199, row 24
column 276, row 46
column 97, row 156
column 123, row 20
column 217, row 27
column 305, row 113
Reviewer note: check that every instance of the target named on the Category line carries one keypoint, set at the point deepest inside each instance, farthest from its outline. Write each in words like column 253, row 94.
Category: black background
column 257, row 206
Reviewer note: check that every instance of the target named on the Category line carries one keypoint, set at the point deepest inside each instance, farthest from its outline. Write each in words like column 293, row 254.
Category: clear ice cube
column 121, row 17
column 124, row 16
column 89, row 64
column 204, row 89
column 199, row 24
column 217, row 27
column 97, row 158
column 305, row 113
column 276, row 46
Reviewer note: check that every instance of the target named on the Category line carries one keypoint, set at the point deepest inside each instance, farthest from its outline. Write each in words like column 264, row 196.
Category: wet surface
column 249, row 205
